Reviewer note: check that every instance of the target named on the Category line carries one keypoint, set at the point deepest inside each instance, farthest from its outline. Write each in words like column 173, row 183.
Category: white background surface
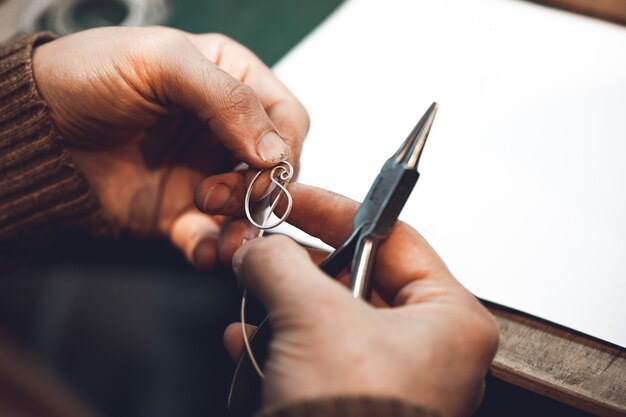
column 522, row 189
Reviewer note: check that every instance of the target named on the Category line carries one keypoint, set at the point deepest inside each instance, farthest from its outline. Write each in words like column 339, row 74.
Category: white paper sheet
column 522, row 188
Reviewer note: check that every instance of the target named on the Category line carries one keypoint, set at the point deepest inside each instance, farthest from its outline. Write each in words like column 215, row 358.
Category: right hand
column 432, row 343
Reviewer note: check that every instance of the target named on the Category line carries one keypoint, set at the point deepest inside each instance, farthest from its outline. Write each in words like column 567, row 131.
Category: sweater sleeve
column 41, row 190
column 352, row 406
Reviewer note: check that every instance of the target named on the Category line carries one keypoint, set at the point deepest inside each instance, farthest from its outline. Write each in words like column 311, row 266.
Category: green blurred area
column 269, row 27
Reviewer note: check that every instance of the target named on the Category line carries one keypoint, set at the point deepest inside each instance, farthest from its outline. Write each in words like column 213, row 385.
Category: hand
column 148, row 112
column 430, row 341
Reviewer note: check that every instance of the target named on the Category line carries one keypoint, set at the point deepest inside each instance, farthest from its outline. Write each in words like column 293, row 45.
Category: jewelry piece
column 280, row 175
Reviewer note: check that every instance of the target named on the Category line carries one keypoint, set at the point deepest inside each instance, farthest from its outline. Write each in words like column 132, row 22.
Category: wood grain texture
column 559, row 363
column 613, row 10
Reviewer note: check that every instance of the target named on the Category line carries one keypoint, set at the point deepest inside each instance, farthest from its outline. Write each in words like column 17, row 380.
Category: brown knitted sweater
column 42, row 193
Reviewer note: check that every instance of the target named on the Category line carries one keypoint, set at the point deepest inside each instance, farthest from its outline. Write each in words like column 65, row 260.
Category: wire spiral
column 280, row 175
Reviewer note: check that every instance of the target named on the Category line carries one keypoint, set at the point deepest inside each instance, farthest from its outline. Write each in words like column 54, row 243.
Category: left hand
column 149, row 112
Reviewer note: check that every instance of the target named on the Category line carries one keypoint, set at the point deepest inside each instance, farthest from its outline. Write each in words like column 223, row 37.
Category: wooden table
column 559, row 363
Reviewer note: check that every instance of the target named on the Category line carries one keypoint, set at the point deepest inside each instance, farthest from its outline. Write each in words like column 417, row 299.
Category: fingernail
column 217, row 198
column 272, row 148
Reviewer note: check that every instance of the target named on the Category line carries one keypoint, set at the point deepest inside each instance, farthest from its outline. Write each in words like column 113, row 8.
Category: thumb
column 281, row 274
column 232, row 109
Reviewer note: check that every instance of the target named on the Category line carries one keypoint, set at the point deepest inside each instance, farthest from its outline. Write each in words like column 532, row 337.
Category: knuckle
column 405, row 229
column 490, row 333
column 279, row 244
column 239, row 97
column 159, row 41
column 484, row 331
column 220, row 38
column 172, row 38
column 268, row 248
column 306, row 119
column 266, row 257
column 229, row 46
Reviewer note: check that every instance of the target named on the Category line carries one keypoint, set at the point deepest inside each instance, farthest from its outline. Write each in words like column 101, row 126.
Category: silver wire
column 246, row 342
column 280, row 175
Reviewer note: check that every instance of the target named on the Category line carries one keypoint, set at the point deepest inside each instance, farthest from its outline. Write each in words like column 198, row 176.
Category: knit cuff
column 349, row 406
column 41, row 189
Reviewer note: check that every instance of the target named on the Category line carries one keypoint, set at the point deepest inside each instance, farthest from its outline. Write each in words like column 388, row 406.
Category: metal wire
column 280, row 175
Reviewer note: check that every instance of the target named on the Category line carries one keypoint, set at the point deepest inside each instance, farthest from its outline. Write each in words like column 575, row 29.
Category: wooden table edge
column 560, row 363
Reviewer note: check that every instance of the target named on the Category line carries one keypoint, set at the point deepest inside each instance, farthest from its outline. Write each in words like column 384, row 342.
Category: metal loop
column 280, row 176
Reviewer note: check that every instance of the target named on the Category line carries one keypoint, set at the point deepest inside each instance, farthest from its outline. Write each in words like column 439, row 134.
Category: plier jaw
column 411, row 150
column 380, row 209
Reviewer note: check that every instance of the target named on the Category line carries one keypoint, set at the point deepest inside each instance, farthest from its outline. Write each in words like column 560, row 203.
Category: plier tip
column 411, row 150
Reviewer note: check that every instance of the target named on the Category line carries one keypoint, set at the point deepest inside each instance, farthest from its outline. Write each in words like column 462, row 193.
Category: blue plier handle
column 372, row 223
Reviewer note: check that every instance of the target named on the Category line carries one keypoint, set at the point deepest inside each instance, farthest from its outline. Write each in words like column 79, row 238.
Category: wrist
column 44, row 192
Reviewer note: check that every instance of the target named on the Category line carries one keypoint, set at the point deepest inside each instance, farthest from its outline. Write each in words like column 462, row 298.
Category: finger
column 401, row 259
column 235, row 232
column 221, row 194
column 196, row 234
column 321, row 213
column 278, row 271
column 224, row 194
column 233, row 339
column 284, row 109
column 232, row 110
column 292, row 122
column 318, row 256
